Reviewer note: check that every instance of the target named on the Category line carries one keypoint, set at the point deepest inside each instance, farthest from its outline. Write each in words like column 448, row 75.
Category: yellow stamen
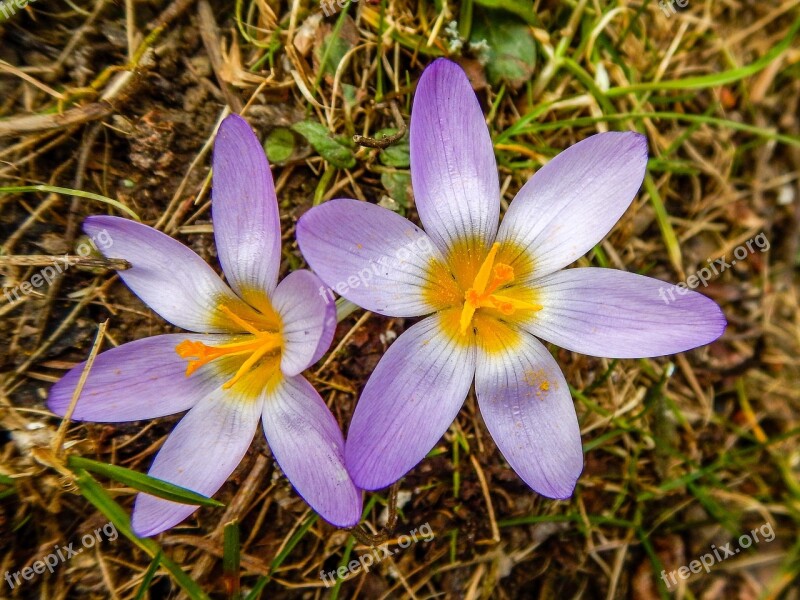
column 257, row 345
column 482, row 278
column 517, row 304
column 481, row 294
column 238, row 320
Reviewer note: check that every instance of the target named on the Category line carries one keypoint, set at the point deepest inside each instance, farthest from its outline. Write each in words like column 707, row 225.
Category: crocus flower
column 490, row 290
column 250, row 343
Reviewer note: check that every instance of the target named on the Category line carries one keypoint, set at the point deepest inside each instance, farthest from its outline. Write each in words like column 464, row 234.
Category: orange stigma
column 257, row 344
column 488, row 280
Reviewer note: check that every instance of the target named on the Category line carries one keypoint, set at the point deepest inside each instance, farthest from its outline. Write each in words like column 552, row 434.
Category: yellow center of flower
column 482, row 294
column 257, row 345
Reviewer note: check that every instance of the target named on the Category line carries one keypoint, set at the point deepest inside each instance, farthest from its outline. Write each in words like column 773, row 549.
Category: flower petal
column 244, row 210
column 309, row 447
column 526, row 405
column 143, row 379
column 167, row 276
column 615, row 314
column 453, row 169
column 309, row 321
column 409, row 401
column 373, row 257
column 572, row 202
column 200, row 454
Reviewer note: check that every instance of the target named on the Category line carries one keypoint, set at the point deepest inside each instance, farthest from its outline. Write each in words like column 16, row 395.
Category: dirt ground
column 111, row 107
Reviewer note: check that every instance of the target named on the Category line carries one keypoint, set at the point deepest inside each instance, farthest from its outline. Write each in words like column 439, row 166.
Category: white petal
column 527, row 407
column 200, row 454
column 572, row 202
column 307, row 443
column 605, row 312
column 410, row 400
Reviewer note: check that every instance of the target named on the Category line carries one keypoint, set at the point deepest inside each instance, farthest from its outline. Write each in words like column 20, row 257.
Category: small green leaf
column 279, row 145
column 511, row 49
column 332, row 51
column 397, row 184
column 398, row 154
column 336, row 152
column 143, row 483
column 350, row 95
column 521, row 8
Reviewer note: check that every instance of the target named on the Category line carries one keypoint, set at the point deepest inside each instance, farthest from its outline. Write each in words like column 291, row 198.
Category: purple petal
column 200, row 454
column 308, row 445
column 244, row 210
column 409, row 401
column 572, row 202
column 144, row 379
column 167, row 276
column 610, row 313
column 309, row 320
column 373, row 257
column 453, row 169
column 526, row 404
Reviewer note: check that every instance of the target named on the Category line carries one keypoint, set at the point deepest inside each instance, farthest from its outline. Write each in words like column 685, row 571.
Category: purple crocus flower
column 244, row 361
column 490, row 290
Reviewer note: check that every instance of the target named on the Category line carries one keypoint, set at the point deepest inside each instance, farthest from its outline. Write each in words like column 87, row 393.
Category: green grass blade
column 7, row 481
column 148, row 577
column 255, row 593
column 143, row 483
column 351, row 541
column 715, row 79
column 94, row 493
column 762, row 132
column 231, row 561
column 667, row 232
column 68, row 192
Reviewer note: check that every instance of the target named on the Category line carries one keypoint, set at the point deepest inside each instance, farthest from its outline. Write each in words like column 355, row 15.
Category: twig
column 4, row 66
column 62, row 428
column 71, row 230
column 485, row 489
column 369, row 539
column 45, row 260
column 361, row 320
column 103, row 108
column 208, row 31
column 65, row 324
column 73, row 116
column 387, row 140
